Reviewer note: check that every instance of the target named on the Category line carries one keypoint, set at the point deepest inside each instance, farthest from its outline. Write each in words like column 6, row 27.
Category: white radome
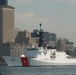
column 22, row 55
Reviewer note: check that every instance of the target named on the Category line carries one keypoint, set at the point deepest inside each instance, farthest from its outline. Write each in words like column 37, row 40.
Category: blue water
column 53, row 70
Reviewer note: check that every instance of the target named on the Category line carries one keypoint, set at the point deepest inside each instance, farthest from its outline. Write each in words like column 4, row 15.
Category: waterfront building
column 17, row 30
column 23, row 37
column 6, row 24
column 63, row 44
column 35, row 33
column 16, row 50
column 50, row 38
column 52, row 43
column 74, row 48
column 3, row 2
column 69, row 45
column 5, row 49
column 7, row 33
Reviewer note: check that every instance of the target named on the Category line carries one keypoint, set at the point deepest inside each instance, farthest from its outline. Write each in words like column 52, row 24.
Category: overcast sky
column 56, row 16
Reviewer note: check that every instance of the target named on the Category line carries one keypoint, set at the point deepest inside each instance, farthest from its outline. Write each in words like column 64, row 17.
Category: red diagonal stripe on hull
column 24, row 61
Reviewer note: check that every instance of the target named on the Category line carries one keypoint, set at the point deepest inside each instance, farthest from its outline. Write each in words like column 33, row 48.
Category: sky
column 56, row 16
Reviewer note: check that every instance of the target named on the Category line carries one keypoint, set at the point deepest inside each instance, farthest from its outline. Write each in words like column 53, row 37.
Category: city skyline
column 56, row 16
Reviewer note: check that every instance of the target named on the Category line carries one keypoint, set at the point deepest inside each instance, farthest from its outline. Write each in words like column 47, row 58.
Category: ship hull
column 34, row 62
column 12, row 61
column 17, row 61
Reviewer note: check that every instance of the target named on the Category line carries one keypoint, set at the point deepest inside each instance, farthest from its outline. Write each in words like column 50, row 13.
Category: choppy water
column 54, row 70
